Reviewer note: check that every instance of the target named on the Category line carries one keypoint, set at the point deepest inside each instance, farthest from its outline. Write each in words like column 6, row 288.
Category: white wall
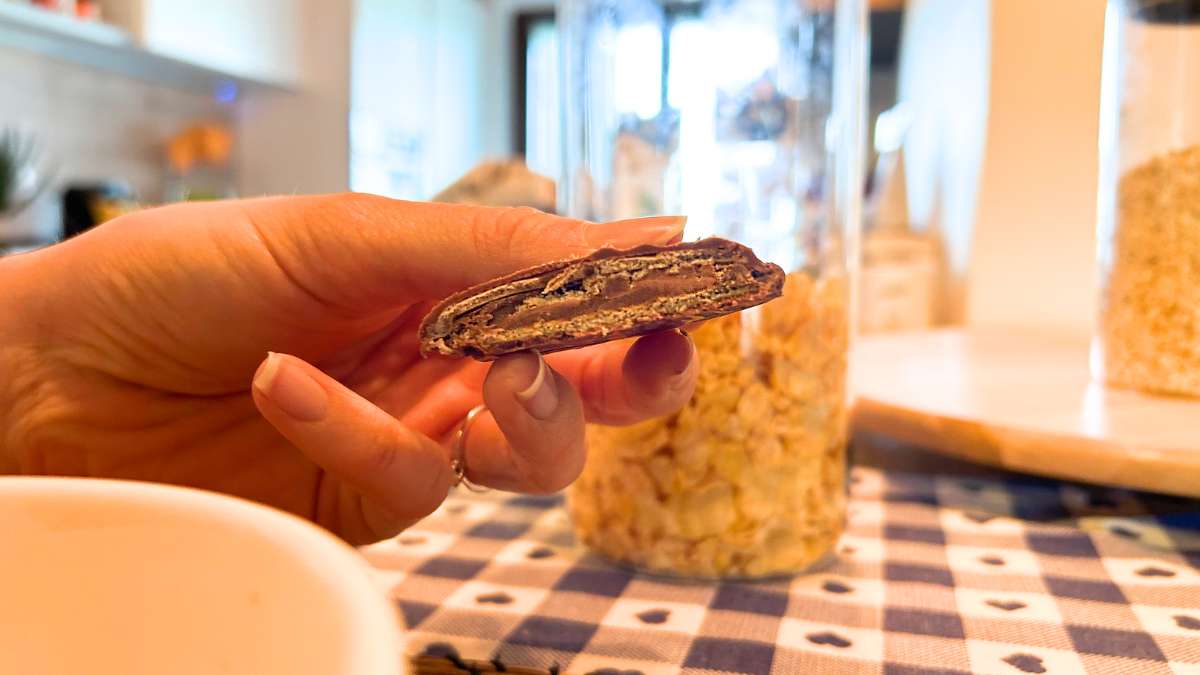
column 1033, row 262
column 299, row 142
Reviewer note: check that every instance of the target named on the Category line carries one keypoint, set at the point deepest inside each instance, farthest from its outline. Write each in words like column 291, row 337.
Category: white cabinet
column 257, row 40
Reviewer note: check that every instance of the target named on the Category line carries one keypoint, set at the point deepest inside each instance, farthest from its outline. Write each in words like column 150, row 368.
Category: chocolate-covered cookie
column 608, row 295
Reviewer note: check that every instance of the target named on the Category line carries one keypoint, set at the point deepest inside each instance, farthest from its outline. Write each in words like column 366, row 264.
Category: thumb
column 381, row 476
column 365, row 252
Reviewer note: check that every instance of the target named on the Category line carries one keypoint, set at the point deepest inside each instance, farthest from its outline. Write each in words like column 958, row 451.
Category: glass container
column 1148, row 232
column 747, row 116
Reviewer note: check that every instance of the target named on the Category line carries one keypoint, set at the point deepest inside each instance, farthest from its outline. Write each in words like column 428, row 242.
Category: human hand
column 130, row 352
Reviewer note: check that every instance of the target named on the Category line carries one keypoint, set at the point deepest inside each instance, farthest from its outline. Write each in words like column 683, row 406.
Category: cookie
column 608, row 295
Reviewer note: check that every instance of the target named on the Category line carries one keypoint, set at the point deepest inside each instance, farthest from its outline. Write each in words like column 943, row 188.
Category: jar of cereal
column 748, row 117
column 1149, row 198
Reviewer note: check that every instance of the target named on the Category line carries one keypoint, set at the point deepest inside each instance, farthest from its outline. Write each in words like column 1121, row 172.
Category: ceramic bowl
column 124, row 578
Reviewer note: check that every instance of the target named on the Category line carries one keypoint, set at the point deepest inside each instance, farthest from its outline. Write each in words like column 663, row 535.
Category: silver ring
column 458, row 460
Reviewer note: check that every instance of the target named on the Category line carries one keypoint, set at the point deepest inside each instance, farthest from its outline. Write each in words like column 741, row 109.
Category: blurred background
column 983, row 121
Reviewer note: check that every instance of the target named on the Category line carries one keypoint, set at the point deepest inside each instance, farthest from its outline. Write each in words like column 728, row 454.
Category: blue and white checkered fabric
column 944, row 568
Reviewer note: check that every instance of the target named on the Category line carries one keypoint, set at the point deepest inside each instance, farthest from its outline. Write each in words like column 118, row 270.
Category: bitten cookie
column 608, row 295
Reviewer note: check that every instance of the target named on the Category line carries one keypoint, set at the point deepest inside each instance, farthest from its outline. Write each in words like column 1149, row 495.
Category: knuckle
column 359, row 204
column 341, row 210
column 514, row 232
column 382, row 458
column 491, row 238
column 40, row 431
column 424, row 496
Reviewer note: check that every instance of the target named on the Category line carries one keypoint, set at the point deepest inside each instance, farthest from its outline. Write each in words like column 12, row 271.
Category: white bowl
column 122, row 578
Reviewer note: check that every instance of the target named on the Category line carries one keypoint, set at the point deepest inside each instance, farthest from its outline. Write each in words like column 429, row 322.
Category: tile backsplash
column 93, row 125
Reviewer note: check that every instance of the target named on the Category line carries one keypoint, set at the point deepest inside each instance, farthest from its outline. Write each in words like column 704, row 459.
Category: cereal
column 1150, row 322
column 748, row 479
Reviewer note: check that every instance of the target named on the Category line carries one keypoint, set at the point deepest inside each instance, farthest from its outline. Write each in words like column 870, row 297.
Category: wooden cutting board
column 1024, row 402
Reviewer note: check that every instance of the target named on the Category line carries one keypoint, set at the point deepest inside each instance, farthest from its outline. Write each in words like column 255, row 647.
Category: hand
column 130, row 352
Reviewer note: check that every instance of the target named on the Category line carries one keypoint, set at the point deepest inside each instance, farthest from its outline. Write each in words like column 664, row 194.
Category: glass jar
column 748, row 117
column 1148, row 230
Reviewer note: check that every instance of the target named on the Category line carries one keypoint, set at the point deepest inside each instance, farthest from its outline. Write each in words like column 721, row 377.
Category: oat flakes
column 748, row 479
column 1150, row 321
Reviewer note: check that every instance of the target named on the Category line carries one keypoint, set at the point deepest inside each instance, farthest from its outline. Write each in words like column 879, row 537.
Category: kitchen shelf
column 105, row 47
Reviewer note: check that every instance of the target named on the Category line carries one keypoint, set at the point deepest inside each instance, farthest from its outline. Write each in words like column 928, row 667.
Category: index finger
column 370, row 253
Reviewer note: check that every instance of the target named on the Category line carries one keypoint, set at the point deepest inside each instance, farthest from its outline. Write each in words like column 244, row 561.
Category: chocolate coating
column 608, row 295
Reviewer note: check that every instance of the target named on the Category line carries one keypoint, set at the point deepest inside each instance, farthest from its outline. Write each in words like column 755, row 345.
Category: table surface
column 946, row 567
column 969, row 394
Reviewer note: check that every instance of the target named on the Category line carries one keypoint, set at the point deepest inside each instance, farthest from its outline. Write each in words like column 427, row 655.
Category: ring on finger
column 458, row 458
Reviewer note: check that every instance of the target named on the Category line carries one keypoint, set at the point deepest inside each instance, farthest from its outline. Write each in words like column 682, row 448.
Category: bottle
column 1148, row 231
column 747, row 116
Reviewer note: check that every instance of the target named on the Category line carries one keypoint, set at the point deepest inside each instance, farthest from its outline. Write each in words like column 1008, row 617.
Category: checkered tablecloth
column 945, row 568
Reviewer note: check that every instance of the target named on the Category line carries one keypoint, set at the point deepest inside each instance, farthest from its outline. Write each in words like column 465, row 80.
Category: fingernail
column 658, row 230
column 291, row 389
column 680, row 365
column 540, row 398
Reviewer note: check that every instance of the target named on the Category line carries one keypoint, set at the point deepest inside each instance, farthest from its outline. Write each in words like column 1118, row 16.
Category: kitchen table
column 945, row 567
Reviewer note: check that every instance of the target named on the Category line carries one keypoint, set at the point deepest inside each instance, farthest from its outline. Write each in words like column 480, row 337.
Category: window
column 640, row 90
column 416, row 113
column 540, row 124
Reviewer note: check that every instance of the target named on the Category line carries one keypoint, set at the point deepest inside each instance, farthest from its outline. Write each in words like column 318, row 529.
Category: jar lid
column 1167, row 11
